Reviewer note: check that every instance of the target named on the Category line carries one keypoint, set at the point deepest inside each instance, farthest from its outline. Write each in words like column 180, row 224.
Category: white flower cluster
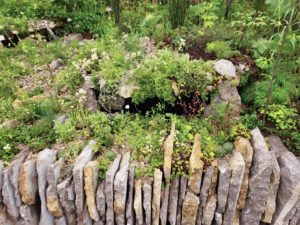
column 6, row 147
column 181, row 45
column 81, row 95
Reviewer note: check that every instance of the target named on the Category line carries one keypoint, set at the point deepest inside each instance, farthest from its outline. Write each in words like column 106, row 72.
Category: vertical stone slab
column 168, row 152
column 85, row 218
column 147, row 199
column 182, row 193
column 156, row 196
column 28, row 182
column 85, row 156
column 274, row 184
column 90, row 184
column 120, row 190
column 4, row 219
column 1, row 179
column 190, row 209
column 209, row 210
column 296, row 218
column 30, row 214
column 243, row 146
column 196, row 166
column 174, row 194
column 53, row 203
column 66, row 195
column 259, row 182
column 237, row 165
column 164, row 205
column 44, row 159
column 109, row 190
column 289, row 187
column 100, row 199
column 60, row 221
column 138, row 203
column 129, row 204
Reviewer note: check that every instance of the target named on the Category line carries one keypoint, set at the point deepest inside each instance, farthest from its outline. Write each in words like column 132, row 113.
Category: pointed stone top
column 226, row 68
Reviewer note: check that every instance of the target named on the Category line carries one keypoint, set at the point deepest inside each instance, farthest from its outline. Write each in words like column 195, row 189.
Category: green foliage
column 251, row 121
column 104, row 164
column 110, row 155
column 239, row 130
column 228, row 146
column 221, row 48
column 140, row 172
column 177, row 11
column 66, row 131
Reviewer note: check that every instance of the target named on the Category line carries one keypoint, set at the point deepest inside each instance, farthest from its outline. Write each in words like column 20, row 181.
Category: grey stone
column 218, row 218
column 237, row 165
column 164, row 205
column 156, row 196
column 100, row 200
column 226, row 68
column 53, row 174
column 147, row 199
column 109, row 190
column 1, row 179
column 174, row 194
column 120, row 189
column 44, row 159
column 127, row 87
column 14, row 171
column 4, row 219
column 84, row 218
column 54, row 65
column 60, row 119
column 10, row 124
column 29, row 214
column 85, row 156
column 90, row 97
column 289, row 187
column 71, row 38
column 296, row 217
column 66, row 195
column 209, row 210
column 9, row 197
column 259, row 180
column 190, row 208
column 129, row 204
column 182, row 193
column 60, row 221
column 50, row 33
column 138, row 203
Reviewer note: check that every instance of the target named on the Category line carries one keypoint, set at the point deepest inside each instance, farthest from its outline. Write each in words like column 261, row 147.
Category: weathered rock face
column 127, row 87
column 66, row 195
column 100, row 199
column 60, row 221
column 109, row 190
column 120, row 189
column 85, row 156
column 182, row 193
column 289, row 187
column 53, row 203
column 90, row 184
column 54, row 65
column 163, row 214
column 259, row 182
column 28, row 184
column 225, row 68
column 129, row 204
column 244, row 147
column 196, row 166
column 156, row 196
column 138, row 203
column 60, row 119
column 209, row 210
column 190, row 209
column 10, row 124
column 174, row 193
column 4, row 219
column 1, row 179
column 71, row 38
column 44, row 159
column 237, row 165
column 29, row 214
column 147, row 194
column 84, row 218
column 274, row 184
column 168, row 151
column 90, row 97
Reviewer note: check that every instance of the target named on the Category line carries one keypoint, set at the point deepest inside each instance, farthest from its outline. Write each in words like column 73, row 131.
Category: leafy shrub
column 251, row 121
column 177, row 11
column 221, row 48
column 66, row 131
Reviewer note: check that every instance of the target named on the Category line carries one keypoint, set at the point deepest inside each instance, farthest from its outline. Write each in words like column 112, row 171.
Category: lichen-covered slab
column 138, row 203
column 182, row 193
column 156, row 196
column 174, row 191
column 129, row 203
column 100, row 199
column 147, row 199
column 168, row 151
column 190, row 209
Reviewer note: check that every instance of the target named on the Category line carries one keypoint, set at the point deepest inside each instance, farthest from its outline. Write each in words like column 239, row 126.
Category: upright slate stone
column 1, row 179
column 44, row 159
column 100, row 200
column 259, row 181
column 129, row 204
column 30, row 214
column 147, row 193
column 190, row 208
column 174, row 194
column 182, row 193
column 138, row 202
column 164, row 205
column 156, row 196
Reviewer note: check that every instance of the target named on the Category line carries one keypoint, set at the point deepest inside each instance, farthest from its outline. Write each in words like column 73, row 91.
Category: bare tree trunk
column 228, row 4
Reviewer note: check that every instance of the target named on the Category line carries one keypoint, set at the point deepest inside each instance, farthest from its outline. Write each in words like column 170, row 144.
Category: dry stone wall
column 254, row 185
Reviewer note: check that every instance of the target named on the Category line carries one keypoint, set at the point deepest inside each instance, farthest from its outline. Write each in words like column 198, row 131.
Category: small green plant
column 239, row 130
column 251, row 121
column 110, row 155
column 222, row 49
column 178, row 11
column 66, row 131
column 140, row 172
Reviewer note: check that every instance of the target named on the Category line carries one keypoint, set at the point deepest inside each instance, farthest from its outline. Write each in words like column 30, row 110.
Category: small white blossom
column 69, row 20
column 127, row 106
column 6, row 147
column 108, row 9
column 94, row 56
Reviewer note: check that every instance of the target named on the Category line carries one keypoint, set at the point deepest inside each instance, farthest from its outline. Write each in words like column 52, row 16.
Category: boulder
column 226, row 68
column 289, row 188
column 54, row 65
column 53, row 203
column 100, row 199
column 30, row 214
column 120, row 189
column 237, row 165
column 218, row 218
column 259, row 181
column 196, row 166
column 90, row 184
column 44, row 159
column 85, row 156
column 66, row 195
column 173, row 201
column 147, row 199
column 182, row 193
column 190, row 209
column 28, row 182
column 138, row 203
column 243, row 146
column 296, row 217
column 129, row 204
column 90, row 95
column 109, row 190
column 156, row 196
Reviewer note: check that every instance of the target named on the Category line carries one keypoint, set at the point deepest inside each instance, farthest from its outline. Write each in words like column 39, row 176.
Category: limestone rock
column 53, row 203
column 60, row 221
column 4, row 219
column 147, row 199
column 100, row 199
column 206, row 184
column 129, row 204
column 90, row 97
column 164, row 205
column 226, row 68
column 9, row 197
column 72, row 38
column 190, row 209
column 174, row 192
column 196, row 166
column 289, row 187
column 274, row 184
column 14, row 172
column 90, row 184
column 244, row 147
column 10, row 124
column 209, row 210
column 54, row 65
column 138, row 205
column 237, row 165
column 29, row 214
column 44, row 159
column 182, row 193
column 28, row 185
column 1, row 179
column 296, row 217
column 218, row 218
column 60, row 119
column 109, row 190
column 84, row 218
column 127, row 87
column 85, row 156
column 66, row 195
column 236, row 219
column 156, row 196
column 259, row 182
column 168, row 152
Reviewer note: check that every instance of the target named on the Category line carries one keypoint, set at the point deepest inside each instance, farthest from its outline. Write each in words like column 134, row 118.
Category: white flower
column 94, row 56
column 69, row 20
column 15, row 32
column 6, row 147
column 127, row 106
column 108, row 9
